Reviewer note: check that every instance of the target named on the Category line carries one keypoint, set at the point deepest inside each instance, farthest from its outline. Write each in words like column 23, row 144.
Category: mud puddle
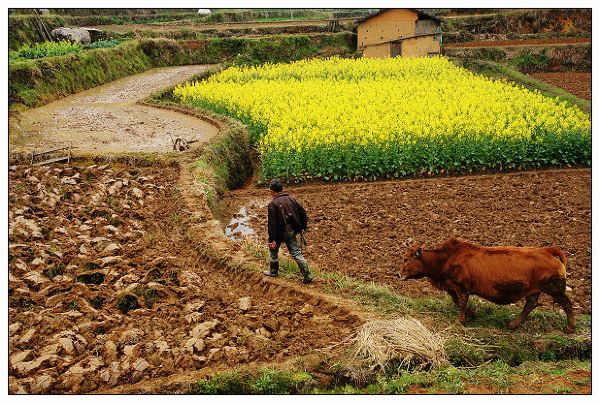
column 239, row 226
column 244, row 223
column 107, row 118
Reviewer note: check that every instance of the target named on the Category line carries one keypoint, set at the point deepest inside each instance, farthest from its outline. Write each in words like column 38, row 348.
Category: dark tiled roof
column 422, row 14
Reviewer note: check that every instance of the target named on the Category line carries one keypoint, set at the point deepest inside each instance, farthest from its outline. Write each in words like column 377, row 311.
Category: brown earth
column 88, row 243
column 519, row 42
column 108, row 119
column 364, row 229
column 578, row 84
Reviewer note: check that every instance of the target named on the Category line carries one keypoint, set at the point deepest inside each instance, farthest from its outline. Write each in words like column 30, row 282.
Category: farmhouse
column 399, row 32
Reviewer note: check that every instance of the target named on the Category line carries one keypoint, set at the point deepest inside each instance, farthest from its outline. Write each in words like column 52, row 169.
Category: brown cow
column 501, row 274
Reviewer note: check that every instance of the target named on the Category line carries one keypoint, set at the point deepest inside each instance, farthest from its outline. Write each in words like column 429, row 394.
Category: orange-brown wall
column 382, row 50
column 420, row 46
column 389, row 25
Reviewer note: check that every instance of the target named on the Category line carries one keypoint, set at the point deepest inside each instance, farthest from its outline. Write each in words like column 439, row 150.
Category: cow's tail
column 560, row 256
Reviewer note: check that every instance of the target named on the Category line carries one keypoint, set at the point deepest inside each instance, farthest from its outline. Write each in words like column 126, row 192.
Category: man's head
column 275, row 187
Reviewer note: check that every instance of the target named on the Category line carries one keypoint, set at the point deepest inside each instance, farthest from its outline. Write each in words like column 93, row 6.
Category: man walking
column 287, row 218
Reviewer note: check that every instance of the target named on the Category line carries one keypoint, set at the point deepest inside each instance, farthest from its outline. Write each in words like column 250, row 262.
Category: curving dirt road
column 107, row 118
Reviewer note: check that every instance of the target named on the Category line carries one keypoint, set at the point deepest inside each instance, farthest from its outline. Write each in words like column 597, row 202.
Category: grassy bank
column 566, row 377
column 199, row 33
column 227, row 161
column 37, row 82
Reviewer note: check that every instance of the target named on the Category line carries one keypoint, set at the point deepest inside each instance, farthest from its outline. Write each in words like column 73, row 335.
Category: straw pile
column 403, row 341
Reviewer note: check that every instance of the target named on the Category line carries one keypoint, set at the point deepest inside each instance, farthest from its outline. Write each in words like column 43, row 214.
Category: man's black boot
column 273, row 270
column 305, row 272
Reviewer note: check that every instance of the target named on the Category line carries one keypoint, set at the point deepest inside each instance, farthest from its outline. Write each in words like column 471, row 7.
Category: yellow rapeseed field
column 348, row 118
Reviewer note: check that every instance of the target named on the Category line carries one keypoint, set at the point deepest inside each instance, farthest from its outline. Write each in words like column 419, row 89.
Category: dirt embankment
column 107, row 118
column 365, row 229
column 106, row 289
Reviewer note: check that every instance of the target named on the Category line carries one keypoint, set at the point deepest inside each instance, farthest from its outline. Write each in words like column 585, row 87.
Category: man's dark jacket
column 284, row 208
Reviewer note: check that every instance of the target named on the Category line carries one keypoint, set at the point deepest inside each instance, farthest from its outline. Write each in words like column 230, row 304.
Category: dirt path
column 519, row 42
column 365, row 229
column 107, row 118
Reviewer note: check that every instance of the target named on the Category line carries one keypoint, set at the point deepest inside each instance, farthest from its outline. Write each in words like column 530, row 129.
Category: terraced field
column 122, row 279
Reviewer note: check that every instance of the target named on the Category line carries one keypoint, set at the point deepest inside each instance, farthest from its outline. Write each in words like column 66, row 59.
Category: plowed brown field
column 578, row 84
column 364, row 229
column 106, row 290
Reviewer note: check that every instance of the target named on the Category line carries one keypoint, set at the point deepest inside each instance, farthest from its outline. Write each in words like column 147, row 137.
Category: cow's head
column 413, row 264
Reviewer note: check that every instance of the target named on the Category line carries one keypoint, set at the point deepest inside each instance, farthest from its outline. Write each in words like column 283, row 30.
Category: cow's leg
column 556, row 288
column 565, row 302
column 454, row 297
column 531, row 302
column 463, row 306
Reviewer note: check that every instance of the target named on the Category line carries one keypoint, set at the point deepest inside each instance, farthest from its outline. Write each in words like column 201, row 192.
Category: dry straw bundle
column 405, row 341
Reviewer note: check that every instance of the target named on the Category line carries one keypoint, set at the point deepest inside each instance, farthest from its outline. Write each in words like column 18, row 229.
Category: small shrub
column 338, row 390
column 448, row 379
column 25, row 303
column 529, row 62
column 172, row 276
column 102, row 44
column 494, row 54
